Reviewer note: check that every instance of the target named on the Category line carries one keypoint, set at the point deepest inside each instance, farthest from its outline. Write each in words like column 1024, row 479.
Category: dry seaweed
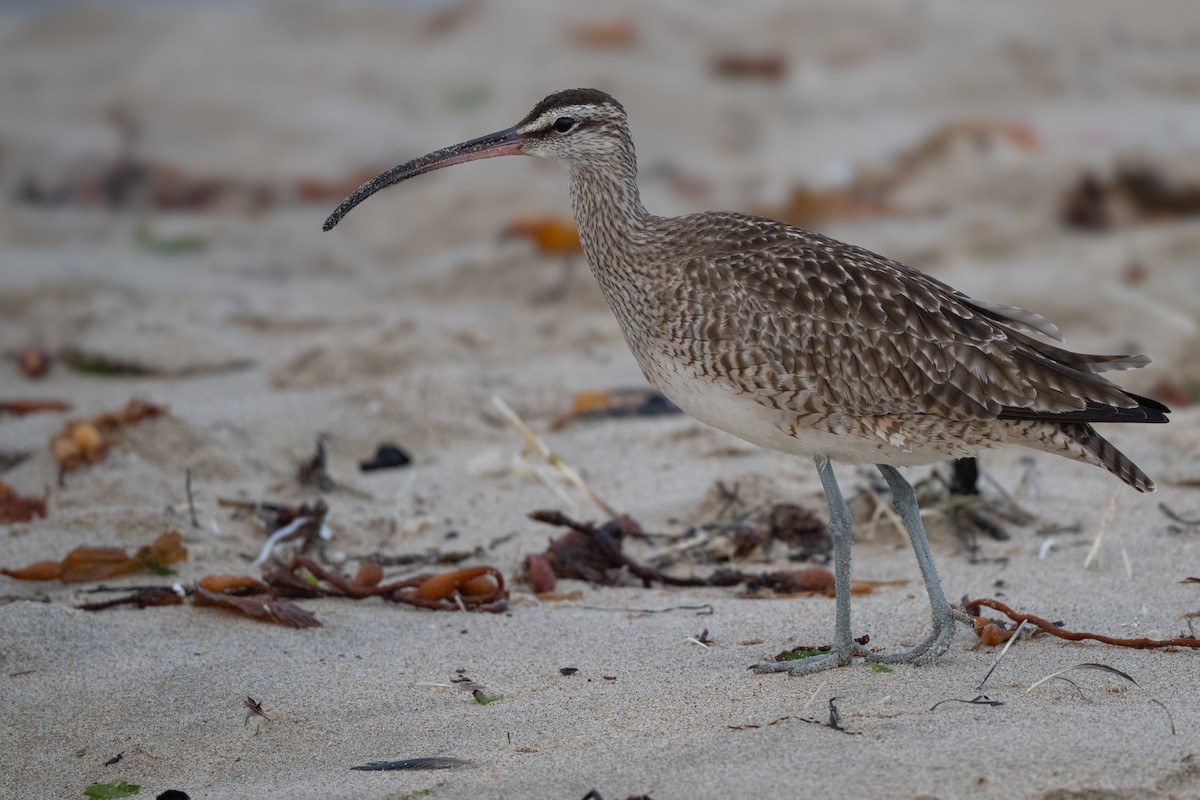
column 1136, row 193
column 86, row 564
column 261, row 607
column 150, row 596
column 20, row 408
column 471, row 589
column 592, row 553
column 299, row 525
column 315, row 471
column 540, row 573
column 972, row 607
column 16, row 508
column 87, row 441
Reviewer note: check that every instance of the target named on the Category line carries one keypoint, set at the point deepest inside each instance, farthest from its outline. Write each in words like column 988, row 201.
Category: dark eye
column 563, row 124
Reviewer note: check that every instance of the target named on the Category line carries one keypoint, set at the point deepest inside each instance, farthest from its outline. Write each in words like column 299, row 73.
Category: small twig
column 1003, row 652
column 412, row 764
column 703, row 610
column 819, row 690
column 1105, row 521
column 187, row 485
column 536, row 446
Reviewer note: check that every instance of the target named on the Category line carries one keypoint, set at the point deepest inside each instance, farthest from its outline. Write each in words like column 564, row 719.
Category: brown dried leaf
column 88, row 564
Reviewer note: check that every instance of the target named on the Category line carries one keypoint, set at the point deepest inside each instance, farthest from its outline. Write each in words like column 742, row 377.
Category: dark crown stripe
column 571, row 97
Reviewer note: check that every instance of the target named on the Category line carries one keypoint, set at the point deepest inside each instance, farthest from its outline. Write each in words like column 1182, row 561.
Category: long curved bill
column 501, row 143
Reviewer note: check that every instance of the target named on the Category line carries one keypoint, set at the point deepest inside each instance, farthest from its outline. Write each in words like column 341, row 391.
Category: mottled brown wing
column 822, row 325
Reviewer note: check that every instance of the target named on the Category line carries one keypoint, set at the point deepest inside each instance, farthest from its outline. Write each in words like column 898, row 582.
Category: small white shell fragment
column 415, row 526
column 490, row 464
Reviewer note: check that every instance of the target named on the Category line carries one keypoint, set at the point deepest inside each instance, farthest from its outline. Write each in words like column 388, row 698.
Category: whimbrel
column 801, row 343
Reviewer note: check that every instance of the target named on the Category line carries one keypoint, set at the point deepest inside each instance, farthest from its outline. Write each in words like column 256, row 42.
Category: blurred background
column 166, row 167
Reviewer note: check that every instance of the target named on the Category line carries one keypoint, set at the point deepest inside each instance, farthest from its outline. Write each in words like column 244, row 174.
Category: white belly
column 776, row 429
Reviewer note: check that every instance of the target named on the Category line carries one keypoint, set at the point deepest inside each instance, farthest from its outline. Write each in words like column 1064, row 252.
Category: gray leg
column 904, row 500
column 844, row 647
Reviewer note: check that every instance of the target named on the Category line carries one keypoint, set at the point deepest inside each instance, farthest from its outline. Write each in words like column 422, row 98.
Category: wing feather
column 838, row 327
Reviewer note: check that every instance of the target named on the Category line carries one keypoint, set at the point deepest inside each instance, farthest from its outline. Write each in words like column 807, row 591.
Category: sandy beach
column 165, row 171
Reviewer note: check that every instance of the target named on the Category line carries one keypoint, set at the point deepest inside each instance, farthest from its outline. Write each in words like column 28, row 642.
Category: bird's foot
column 936, row 643
column 836, row 657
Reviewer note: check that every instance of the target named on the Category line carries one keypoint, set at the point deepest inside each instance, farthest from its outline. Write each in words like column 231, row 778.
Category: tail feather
column 1108, row 456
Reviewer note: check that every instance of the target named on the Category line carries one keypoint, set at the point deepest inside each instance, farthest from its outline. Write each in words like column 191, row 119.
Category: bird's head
column 576, row 127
